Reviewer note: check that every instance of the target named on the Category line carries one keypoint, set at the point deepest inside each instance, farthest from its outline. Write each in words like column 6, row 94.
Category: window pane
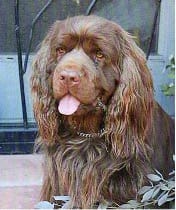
column 136, row 16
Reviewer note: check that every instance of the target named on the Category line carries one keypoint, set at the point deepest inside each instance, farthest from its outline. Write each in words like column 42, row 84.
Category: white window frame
column 166, row 39
column 166, row 47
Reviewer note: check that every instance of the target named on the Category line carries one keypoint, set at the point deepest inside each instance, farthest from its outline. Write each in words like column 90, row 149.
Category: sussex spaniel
column 98, row 122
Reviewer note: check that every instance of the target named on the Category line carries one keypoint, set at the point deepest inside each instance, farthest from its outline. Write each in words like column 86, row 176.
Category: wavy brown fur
column 113, row 167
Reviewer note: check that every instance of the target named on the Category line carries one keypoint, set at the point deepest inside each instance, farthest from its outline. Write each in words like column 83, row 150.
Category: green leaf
column 134, row 204
column 164, row 187
column 168, row 91
column 172, row 173
column 170, row 199
column 171, row 57
column 164, row 87
column 125, row 206
column 171, row 91
column 147, row 195
column 171, row 184
column 103, row 206
column 44, row 205
column 171, row 75
column 153, row 177
column 61, row 198
column 171, row 85
column 163, row 199
column 168, row 66
column 171, row 67
column 156, row 191
column 144, row 190
column 172, row 61
column 158, row 173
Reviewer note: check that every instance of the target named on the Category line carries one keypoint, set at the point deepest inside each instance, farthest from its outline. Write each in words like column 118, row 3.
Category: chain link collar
column 101, row 105
column 92, row 135
column 102, row 132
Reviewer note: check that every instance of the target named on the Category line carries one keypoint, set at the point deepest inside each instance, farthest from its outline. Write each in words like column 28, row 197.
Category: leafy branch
column 169, row 89
column 159, row 192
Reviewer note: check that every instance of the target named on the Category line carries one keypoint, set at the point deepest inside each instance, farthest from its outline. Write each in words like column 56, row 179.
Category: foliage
column 158, row 193
column 58, row 202
column 169, row 89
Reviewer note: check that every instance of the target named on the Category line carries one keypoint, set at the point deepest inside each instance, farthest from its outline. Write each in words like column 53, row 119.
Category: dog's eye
column 99, row 54
column 61, row 50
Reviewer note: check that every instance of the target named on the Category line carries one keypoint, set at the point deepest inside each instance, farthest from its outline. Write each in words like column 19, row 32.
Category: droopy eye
column 99, row 54
column 60, row 50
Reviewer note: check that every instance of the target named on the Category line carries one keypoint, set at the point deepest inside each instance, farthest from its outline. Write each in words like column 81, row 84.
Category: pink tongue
column 68, row 105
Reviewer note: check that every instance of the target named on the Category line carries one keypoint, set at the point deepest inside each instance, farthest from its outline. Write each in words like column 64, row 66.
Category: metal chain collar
column 92, row 135
column 102, row 132
column 101, row 105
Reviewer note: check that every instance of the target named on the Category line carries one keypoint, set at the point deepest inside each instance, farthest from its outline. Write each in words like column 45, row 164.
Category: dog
column 101, row 129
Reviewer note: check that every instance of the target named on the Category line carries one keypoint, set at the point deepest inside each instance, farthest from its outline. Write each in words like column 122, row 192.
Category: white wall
column 10, row 98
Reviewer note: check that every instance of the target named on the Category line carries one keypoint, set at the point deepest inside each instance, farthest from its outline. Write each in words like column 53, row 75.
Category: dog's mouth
column 68, row 105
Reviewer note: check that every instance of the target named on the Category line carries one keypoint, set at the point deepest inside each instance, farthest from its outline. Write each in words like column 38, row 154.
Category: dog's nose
column 69, row 77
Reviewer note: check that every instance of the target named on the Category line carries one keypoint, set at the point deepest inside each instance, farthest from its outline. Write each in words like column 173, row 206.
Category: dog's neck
column 89, row 123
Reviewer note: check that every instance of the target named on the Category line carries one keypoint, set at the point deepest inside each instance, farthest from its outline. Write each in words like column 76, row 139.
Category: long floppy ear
column 130, row 110
column 44, row 107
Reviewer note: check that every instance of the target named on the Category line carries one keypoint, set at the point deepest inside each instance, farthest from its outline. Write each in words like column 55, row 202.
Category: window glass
column 136, row 16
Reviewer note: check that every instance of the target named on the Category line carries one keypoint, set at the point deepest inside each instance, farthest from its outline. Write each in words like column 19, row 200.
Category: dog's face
column 85, row 53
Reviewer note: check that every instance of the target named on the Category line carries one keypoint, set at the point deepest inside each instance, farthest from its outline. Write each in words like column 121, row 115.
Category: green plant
column 159, row 192
column 169, row 89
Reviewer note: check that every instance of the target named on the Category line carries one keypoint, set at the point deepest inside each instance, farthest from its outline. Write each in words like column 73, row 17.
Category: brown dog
column 102, row 130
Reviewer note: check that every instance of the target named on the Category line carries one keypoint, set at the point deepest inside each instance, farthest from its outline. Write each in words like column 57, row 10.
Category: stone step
column 20, row 181
column 25, row 197
column 17, row 140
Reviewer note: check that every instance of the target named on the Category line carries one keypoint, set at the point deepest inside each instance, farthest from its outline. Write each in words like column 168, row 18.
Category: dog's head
column 85, row 59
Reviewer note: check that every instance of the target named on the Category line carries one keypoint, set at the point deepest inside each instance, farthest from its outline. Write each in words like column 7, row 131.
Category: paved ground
column 20, row 181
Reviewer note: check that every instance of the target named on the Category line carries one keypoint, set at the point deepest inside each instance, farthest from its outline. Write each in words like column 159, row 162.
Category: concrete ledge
column 19, row 197
column 20, row 181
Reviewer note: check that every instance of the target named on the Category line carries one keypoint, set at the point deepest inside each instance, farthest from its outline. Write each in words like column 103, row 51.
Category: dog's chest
column 83, row 165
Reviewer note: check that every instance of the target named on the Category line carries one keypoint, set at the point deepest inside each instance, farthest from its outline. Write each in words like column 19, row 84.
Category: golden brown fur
column 115, row 166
